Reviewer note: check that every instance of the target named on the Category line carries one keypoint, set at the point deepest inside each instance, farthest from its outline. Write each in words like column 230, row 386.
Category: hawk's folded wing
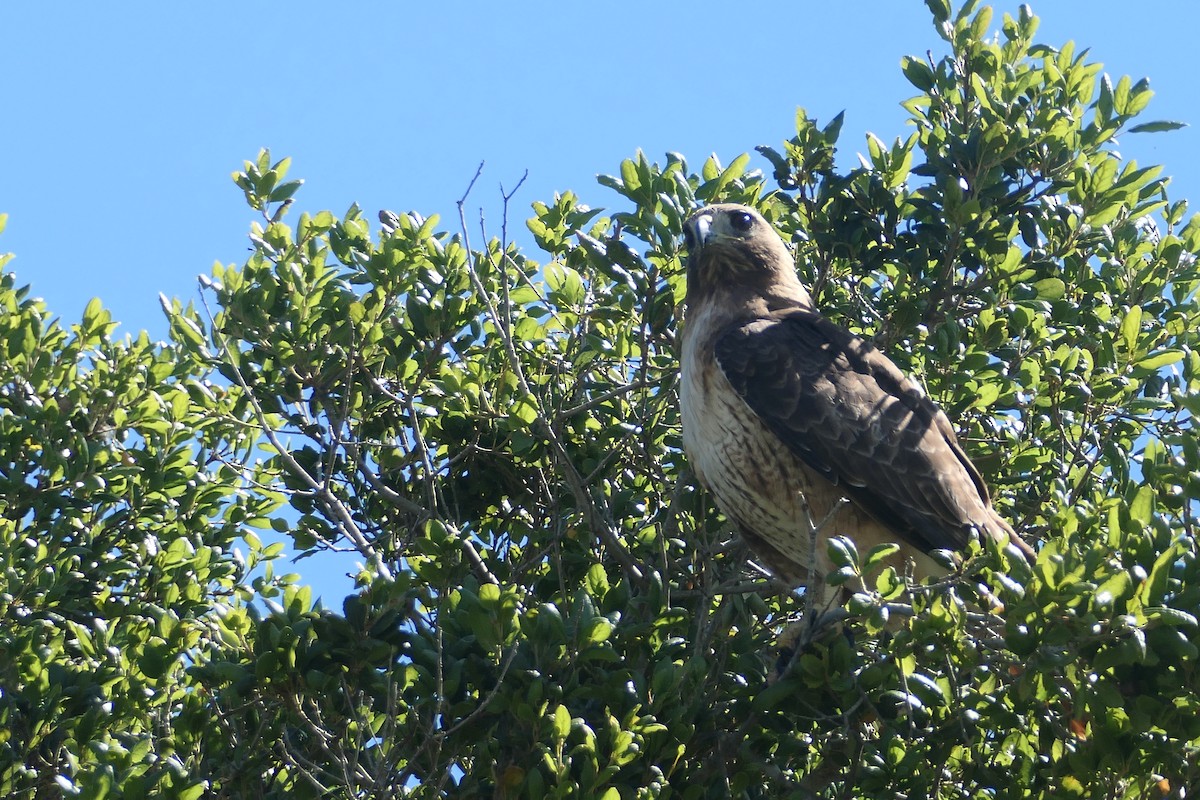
column 852, row 416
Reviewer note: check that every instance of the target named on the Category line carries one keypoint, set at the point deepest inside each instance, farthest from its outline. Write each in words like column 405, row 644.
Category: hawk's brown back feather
column 850, row 414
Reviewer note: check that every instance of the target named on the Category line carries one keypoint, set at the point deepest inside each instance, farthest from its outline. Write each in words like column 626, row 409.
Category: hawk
column 794, row 423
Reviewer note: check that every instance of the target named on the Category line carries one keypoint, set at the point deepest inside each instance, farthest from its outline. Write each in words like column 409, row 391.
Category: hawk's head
column 733, row 251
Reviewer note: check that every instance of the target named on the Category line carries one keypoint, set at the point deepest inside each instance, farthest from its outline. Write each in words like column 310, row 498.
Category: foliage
column 118, row 512
column 549, row 607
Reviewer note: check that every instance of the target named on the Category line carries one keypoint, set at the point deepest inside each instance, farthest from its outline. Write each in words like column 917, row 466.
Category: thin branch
column 481, row 570
column 486, row 701
column 390, row 495
column 470, row 186
column 601, row 398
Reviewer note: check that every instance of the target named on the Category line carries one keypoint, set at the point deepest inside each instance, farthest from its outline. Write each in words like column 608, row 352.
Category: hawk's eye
column 741, row 220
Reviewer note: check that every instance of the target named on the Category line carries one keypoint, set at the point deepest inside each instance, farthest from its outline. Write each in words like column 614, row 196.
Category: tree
column 549, row 606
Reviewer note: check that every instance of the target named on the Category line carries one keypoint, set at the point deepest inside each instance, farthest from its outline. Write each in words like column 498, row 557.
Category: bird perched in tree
column 795, row 424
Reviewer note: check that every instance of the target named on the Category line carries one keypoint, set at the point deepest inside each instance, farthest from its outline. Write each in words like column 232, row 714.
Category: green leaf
column 284, row 191
column 1051, row 289
column 1158, row 126
column 193, row 791
column 1161, row 359
column 599, row 630
column 1170, row 616
column 1121, row 95
column 562, row 722
column 842, row 552
column 1141, row 510
column 597, row 580
column 986, row 396
column 735, row 170
column 940, row 9
column 91, row 312
column 187, row 330
column 1155, row 587
column 877, row 554
column 918, row 73
column 833, row 130
column 1131, row 327
column 1116, row 589
column 629, row 175
column 489, row 594
column 1139, row 97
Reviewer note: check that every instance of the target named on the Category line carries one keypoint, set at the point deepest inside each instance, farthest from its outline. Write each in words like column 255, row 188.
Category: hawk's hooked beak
column 695, row 232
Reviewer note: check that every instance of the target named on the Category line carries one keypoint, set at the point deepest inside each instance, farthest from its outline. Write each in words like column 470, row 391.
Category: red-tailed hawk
column 785, row 414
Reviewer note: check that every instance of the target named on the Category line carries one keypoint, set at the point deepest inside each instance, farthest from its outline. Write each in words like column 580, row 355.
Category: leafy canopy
column 549, row 606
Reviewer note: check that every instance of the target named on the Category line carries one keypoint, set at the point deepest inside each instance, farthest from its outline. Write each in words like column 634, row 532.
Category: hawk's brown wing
column 851, row 415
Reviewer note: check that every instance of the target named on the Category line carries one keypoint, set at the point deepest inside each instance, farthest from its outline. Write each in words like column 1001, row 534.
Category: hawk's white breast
column 756, row 480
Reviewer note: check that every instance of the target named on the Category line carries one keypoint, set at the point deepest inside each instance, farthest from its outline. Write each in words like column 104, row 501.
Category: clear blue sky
column 122, row 122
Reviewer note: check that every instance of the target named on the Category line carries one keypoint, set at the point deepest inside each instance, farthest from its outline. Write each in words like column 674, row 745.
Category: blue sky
column 123, row 122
